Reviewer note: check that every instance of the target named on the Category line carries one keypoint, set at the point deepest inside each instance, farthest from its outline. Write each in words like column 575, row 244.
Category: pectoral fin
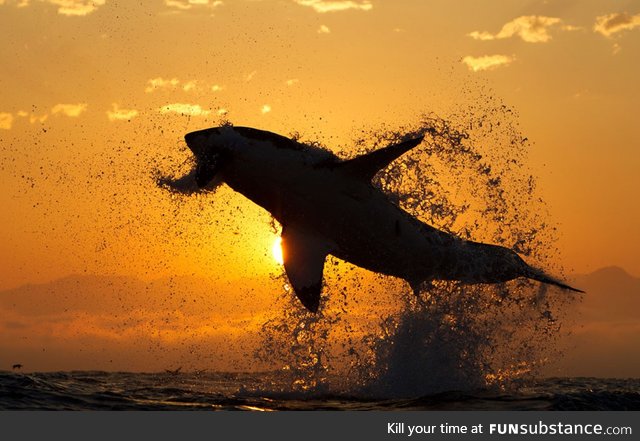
column 304, row 255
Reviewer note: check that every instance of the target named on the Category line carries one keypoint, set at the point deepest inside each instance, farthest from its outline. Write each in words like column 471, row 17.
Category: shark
column 328, row 206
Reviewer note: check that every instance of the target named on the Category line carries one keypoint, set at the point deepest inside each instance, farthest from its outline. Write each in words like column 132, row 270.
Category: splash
column 468, row 178
column 300, row 340
column 375, row 338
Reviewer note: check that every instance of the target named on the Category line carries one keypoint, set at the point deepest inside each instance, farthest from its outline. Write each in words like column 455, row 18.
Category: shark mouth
column 201, row 177
column 206, row 169
column 208, row 160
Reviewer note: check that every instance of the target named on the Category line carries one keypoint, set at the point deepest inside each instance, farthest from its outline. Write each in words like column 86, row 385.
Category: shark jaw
column 208, row 160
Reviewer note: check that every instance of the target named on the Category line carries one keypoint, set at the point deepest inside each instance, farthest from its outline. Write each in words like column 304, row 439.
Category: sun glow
column 277, row 250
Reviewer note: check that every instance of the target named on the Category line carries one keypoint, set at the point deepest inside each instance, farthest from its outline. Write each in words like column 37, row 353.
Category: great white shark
column 330, row 206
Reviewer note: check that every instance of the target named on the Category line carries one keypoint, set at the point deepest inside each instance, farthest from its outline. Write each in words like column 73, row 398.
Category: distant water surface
column 264, row 392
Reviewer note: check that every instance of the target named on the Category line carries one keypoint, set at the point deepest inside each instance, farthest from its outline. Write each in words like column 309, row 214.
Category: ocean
column 218, row 391
column 454, row 347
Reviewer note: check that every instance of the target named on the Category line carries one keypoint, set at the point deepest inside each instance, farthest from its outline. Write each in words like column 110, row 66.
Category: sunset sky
column 98, row 94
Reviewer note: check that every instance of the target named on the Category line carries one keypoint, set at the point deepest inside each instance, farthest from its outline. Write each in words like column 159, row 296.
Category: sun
column 276, row 250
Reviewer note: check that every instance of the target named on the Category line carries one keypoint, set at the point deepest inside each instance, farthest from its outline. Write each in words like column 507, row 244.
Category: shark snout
column 197, row 142
column 203, row 142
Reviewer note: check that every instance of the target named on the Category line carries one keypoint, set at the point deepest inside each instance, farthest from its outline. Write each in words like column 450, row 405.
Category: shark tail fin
column 544, row 278
column 367, row 165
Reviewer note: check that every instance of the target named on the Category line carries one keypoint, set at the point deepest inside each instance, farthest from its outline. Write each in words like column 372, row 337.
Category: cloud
column 322, row 6
column 184, row 109
column 72, row 110
column 6, row 120
column 323, row 29
column 35, row 118
column 185, row 5
column 292, row 81
column 616, row 48
column 189, row 85
column 250, row 76
column 265, row 109
column 71, row 8
column 530, row 28
column 77, row 7
column 487, row 62
column 610, row 24
column 118, row 114
column 160, row 83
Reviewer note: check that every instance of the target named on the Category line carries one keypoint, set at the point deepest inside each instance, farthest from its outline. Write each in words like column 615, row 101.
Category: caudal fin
column 542, row 277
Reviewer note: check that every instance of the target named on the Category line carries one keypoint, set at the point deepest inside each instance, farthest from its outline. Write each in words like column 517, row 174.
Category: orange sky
column 97, row 94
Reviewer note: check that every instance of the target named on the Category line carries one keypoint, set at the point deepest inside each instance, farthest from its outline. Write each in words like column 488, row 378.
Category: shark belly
column 380, row 237
column 358, row 223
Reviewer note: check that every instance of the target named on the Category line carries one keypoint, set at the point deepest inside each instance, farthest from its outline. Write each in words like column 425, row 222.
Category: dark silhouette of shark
column 328, row 206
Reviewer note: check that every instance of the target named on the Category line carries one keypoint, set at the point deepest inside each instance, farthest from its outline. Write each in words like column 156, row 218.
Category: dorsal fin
column 366, row 166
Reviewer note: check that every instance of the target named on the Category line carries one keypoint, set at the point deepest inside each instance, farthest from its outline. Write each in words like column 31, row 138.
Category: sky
column 97, row 95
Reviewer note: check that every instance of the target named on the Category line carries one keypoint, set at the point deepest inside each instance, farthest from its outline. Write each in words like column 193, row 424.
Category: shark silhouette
column 329, row 206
